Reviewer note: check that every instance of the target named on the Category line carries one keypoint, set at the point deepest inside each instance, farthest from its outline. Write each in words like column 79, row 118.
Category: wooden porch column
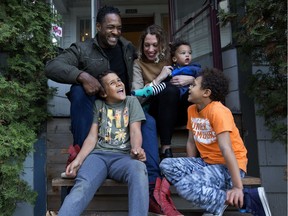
column 215, row 35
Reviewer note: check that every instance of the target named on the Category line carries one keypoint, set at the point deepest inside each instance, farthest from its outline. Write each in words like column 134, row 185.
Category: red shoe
column 166, row 201
column 154, row 207
column 156, row 192
column 73, row 151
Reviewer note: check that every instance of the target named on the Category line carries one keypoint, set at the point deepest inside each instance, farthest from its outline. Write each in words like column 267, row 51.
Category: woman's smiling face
column 151, row 47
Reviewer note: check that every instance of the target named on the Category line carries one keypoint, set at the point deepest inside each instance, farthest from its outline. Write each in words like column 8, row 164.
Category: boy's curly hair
column 216, row 81
column 100, row 76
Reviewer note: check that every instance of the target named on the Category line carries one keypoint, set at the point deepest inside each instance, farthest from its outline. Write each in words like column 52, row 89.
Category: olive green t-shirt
column 113, row 123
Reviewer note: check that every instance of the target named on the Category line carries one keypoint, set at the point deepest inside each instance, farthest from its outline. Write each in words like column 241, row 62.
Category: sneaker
column 154, row 207
column 51, row 213
column 220, row 214
column 64, row 176
column 255, row 201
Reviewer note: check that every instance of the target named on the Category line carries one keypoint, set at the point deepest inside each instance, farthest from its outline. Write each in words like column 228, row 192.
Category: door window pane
column 192, row 23
column 85, row 29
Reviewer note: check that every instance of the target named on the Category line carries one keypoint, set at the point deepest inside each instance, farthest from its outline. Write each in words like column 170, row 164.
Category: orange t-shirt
column 214, row 119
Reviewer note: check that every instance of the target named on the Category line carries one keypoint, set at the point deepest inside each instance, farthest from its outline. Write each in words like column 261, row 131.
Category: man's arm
column 90, row 84
column 64, row 67
column 136, row 141
column 235, row 195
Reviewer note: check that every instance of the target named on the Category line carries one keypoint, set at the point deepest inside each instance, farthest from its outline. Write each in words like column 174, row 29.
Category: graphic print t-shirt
column 214, row 119
column 113, row 123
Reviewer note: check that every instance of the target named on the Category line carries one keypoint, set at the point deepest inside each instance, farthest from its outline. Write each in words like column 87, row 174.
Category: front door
column 133, row 27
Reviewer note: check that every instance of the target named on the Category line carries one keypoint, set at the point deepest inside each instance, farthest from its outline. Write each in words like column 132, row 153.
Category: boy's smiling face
column 198, row 95
column 114, row 88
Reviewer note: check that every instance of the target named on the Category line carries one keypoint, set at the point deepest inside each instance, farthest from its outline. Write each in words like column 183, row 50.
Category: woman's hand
column 182, row 80
column 166, row 71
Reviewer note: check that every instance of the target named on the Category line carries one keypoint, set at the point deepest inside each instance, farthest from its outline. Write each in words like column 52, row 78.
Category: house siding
column 272, row 164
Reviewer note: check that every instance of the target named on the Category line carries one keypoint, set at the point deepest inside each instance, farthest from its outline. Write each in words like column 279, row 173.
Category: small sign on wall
column 131, row 11
column 56, row 30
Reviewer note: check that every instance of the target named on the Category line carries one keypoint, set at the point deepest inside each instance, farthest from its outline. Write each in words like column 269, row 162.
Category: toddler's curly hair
column 216, row 81
column 176, row 44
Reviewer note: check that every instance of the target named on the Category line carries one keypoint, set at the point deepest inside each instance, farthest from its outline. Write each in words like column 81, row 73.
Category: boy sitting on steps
column 213, row 180
column 112, row 150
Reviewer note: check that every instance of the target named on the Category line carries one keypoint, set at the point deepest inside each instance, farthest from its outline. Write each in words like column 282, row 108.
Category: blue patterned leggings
column 204, row 185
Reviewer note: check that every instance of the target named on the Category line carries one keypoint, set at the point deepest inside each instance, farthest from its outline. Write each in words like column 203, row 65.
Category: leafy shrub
column 25, row 45
column 262, row 33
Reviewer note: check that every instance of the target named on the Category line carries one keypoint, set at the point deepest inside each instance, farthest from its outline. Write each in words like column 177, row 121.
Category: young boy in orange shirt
column 213, row 180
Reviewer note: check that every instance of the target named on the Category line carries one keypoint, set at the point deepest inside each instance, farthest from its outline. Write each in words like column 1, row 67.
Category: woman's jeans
column 100, row 165
column 202, row 184
column 81, row 112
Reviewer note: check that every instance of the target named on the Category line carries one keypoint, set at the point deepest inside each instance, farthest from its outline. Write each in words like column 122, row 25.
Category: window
column 85, row 29
column 192, row 22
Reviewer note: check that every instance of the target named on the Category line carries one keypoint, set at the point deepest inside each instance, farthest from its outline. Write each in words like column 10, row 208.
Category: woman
column 154, row 61
column 152, row 67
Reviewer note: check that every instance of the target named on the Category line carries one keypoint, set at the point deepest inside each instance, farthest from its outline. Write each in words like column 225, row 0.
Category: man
column 80, row 64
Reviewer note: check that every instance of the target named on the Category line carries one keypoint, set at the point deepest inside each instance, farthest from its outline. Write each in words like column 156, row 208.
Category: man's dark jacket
column 89, row 57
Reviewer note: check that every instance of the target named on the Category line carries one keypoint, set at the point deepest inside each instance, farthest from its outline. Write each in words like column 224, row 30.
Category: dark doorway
column 133, row 27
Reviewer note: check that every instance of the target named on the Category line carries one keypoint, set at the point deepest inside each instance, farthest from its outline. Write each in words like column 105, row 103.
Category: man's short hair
column 102, row 12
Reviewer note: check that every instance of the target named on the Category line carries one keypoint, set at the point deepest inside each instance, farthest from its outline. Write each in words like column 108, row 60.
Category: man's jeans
column 100, row 165
column 81, row 112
